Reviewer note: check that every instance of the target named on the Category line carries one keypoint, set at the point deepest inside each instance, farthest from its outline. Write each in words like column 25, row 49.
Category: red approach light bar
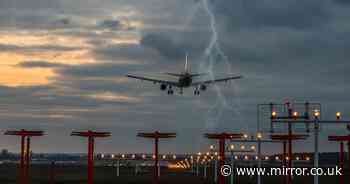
column 156, row 136
column 287, row 137
column 91, row 134
column 224, row 136
column 25, row 151
column 339, row 138
column 24, row 133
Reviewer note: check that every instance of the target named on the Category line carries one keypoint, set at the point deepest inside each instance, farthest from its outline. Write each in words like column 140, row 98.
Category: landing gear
column 196, row 92
column 170, row 91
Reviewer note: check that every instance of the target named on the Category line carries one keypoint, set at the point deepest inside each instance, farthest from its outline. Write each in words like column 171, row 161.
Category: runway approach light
column 245, row 136
column 317, row 114
column 338, row 115
column 259, row 135
column 273, row 114
column 211, row 147
column 295, row 114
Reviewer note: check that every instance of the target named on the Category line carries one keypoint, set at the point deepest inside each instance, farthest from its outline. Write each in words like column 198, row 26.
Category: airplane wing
column 216, row 80
column 174, row 74
column 172, row 83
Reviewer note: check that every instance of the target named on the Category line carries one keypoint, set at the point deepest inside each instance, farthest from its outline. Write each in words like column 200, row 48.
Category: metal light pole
column 216, row 171
column 205, row 171
column 232, row 166
column 91, row 141
column 118, row 167
column 316, row 152
column 52, row 173
column 197, row 169
column 259, row 159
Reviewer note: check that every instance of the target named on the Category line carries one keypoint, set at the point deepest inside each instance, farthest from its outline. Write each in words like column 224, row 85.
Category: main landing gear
column 196, row 92
column 170, row 91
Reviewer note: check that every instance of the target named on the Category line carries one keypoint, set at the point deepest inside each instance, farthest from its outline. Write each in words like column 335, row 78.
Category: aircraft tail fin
column 186, row 64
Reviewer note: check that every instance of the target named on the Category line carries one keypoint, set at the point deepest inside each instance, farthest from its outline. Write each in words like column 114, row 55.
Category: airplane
column 185, row 80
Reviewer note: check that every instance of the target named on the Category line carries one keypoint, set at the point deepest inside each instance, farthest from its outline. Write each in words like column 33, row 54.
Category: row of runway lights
column 295, row 114
column 203, row 157
column 185, row 164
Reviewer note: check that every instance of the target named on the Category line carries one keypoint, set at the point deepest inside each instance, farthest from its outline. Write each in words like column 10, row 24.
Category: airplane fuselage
column 185, row 81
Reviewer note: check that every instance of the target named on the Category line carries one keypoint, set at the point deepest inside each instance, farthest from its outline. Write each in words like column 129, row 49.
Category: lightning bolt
column 212, row 52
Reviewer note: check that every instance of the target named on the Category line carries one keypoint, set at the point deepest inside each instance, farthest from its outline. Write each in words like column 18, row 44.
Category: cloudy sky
column 63, row 62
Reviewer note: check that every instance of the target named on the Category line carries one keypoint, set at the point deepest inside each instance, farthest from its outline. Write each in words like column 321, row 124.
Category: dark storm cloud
column 30, row 4
column 30, row 14
column 164, row 44
column 130, row 52
column 290, row 13
column 175, row 45
column 342, row 2
column 39, row 64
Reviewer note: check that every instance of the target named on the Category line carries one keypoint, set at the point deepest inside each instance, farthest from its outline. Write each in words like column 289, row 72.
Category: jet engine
column 163, row 87
column 203, row 87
